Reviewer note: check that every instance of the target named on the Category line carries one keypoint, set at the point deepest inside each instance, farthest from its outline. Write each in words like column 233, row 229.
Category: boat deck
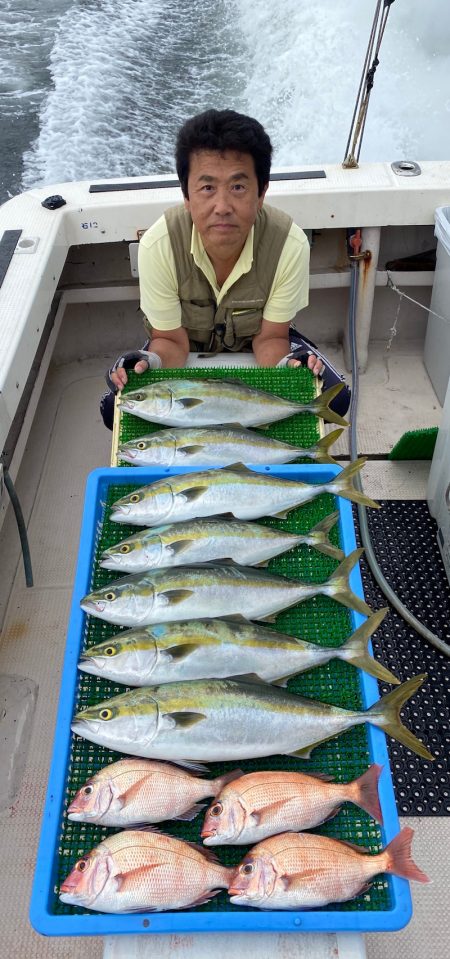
column 67, row 441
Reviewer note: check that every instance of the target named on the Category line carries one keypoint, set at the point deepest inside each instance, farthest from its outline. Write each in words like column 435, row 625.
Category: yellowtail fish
column 135, row 871
column 303, row 871
column 211, row 720
column 133, row 792
column 221, row 649
column 184, row 592
column 240, row 491
column 263, row 804
column 203, row 540
column 218, row 446
column 213, row 402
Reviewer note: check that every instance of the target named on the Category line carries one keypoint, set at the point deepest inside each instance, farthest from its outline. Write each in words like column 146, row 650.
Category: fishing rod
column 353, row 148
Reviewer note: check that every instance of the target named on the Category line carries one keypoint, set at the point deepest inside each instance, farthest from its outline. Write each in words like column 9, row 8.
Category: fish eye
column 82, row 864
column 110, row 651
column 141, row 446
column 216, row 810
column 247, row 869
column 106, row 714
column 138, row 396
column 110, row 596
column 125, row 548
column 134, row 498
column 88, row 789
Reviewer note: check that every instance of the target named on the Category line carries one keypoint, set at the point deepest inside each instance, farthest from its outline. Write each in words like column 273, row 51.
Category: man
column 224, row 271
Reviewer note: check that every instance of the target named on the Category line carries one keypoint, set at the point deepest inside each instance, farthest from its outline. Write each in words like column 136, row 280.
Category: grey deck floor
column 67, row 441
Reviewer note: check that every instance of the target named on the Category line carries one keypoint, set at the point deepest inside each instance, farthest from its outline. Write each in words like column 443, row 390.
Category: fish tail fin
column 218, row 784
column 342, row 484
column 323, row 445
column 320, row 405
column 338, row 585
column 364, row 792
column 386, row 715
column 319, row 536
column 399, row 857
column 355, row 651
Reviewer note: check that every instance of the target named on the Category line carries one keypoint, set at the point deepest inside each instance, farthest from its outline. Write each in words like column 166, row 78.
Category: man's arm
column 172, row 346
column 271, row 344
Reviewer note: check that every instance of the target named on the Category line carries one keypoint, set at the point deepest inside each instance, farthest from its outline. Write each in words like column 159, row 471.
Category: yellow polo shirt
column 159, row 285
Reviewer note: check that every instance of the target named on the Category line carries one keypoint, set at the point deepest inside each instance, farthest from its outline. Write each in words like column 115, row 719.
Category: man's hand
column 313, row 363
column 139, row 360
column 170, row 350
column 272, row 347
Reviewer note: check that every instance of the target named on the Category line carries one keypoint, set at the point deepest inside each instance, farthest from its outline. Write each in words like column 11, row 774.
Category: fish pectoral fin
column 262, row 816
column 189, row 402
column 181, row 652
column 300, row 878
column 283, row 515
column 179, row 545
column 175, row 596
column 184, row 720
column 193, row 493
column 129, row 795
column 191, row 449
column 191, row 813
column 123, row 880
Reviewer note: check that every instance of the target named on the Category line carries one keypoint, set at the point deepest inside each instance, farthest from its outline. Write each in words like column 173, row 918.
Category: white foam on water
column 26, row 38
column 305, row 68
column 126, row 73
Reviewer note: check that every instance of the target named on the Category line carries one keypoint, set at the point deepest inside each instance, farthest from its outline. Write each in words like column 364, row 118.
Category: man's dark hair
column 223, row 130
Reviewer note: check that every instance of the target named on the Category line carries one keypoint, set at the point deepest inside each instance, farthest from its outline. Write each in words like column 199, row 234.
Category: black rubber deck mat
column 404, row 539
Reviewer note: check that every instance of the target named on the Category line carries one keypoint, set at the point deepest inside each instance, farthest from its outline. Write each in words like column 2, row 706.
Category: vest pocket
column 197, row 317
column 241, row 325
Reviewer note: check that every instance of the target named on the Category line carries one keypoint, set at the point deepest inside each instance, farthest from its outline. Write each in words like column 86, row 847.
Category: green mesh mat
column 301, row 430
column 320, row 620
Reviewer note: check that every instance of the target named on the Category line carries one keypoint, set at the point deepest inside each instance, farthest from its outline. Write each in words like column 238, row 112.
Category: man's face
column 223, row 200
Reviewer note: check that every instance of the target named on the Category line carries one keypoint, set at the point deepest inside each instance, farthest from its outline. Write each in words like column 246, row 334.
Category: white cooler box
column 437, row 340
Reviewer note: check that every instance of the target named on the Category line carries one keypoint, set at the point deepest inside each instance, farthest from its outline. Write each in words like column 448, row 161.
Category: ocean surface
column 98, row 88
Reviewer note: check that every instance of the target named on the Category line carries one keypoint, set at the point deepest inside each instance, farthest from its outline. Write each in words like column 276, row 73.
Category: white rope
column 393, row 329
column 401, row 293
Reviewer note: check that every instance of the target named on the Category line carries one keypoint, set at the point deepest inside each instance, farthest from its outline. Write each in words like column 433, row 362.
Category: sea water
column 98, row 88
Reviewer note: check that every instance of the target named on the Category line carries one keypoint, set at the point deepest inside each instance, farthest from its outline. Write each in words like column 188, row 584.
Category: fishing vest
column 233, row 324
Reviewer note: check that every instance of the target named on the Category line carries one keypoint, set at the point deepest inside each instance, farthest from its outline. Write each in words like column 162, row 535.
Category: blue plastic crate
column 43, row 916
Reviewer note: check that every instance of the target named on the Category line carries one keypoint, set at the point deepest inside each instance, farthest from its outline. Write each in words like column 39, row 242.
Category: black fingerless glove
column 302, row 349
column 128, row 361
